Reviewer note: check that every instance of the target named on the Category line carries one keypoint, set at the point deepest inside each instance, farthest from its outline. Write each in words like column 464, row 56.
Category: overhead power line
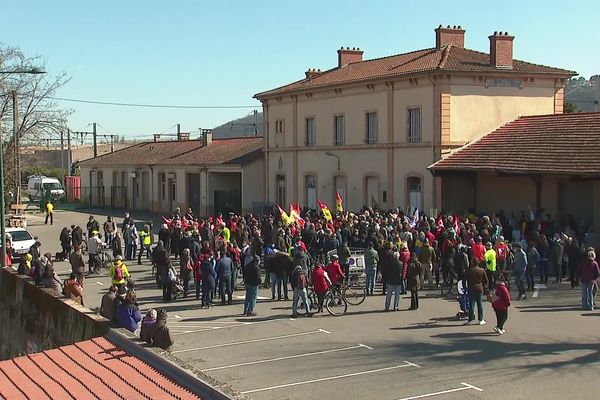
column 110, row 103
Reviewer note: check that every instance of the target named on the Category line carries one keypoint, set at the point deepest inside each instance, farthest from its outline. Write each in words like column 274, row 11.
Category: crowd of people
column 405, row 252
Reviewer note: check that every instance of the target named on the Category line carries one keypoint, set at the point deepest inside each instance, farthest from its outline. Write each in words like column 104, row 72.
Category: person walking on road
column 477, row 281
column 224, row 271
column 588, row 276
column 207, row 267
column 500, row 306
column 394, row 282
column 520, row 270
column 371, row 262
column 49, row 212
column 252, row 281
column 413, row 275
column 299, row 284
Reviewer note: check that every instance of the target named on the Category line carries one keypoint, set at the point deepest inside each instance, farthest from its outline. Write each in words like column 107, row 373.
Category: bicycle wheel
column 106, row 258
column 335, row 304
column 446, row 287
column 355, row 294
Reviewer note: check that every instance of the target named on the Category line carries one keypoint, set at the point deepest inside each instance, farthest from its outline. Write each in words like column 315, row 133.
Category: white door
column 372, row 191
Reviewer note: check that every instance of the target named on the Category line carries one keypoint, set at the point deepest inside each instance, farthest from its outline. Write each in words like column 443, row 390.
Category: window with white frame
column 340, row 135
column 415, row 192
column 311, row 131
column 371, row 128
column 311, row 191
column 279, row 126
column 414, row 125
column 280, row 189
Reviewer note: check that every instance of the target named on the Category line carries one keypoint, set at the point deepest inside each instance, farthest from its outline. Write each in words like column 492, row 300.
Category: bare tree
column 39, row 116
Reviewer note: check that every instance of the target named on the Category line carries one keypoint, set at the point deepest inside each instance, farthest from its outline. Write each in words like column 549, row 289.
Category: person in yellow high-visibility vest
column 49, row 212
column 145, row 243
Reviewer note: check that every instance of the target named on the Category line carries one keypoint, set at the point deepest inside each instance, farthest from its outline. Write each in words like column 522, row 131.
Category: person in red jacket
column 405, row 259
column 335, row 272
column 478, row 250
column 500, row 306
column 321, row 283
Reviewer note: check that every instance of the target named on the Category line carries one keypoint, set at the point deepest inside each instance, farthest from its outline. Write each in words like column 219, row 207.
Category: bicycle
column 448, row 283
column 102, row 260
column 334, row 303
column 354, row 292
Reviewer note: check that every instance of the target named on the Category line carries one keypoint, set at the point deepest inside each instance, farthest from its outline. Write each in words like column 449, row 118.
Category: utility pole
column 95, row 142
column 255, row 123
column 17, row 146
column 178, row 132
column 62, row 151
column 112, row 143
column 69, row 161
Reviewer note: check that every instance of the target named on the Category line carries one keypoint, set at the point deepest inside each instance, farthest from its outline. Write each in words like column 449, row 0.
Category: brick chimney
column 207, row 136
column 349, row 55
column 454, row 35
column 157, row 137
column 501, row 50
column 311, row 73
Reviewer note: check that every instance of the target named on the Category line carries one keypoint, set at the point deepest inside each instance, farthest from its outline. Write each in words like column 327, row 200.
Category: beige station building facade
column 369, row 129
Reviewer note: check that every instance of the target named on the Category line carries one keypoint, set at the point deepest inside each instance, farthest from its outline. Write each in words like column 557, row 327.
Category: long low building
column 207, row 175
column 549, row 163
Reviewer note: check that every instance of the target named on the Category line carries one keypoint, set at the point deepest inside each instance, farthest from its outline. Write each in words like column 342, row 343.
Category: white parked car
column 21, row 240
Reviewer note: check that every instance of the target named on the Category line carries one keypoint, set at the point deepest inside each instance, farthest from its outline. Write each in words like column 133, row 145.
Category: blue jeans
column 520, row 281
column 198, row 285
column 543, row 265
column 587, row 297
column 250, row 300
column 186, row 285
column 300, row 294
column 275, row 284
column 370, row 281
column 476, row 298
column 234, row 278
column 388, row 296
column 558, row 272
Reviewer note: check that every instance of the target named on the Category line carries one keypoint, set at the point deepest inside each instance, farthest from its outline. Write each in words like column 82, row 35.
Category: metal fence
column 93, row 197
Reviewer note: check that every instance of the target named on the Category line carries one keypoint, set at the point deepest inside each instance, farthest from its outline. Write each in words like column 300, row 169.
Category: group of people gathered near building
column 406, row 253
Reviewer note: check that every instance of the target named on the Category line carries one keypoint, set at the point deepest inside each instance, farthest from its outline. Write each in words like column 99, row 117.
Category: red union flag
column 325, row 210
column 339, row 202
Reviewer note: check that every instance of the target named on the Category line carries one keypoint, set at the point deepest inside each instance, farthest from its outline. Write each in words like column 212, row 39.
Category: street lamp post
column 31, row 71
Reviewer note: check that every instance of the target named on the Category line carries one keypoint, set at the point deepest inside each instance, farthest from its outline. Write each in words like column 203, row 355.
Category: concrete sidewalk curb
column 173, row 368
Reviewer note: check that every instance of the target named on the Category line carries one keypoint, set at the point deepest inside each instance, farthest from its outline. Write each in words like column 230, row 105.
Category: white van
column 38, row 186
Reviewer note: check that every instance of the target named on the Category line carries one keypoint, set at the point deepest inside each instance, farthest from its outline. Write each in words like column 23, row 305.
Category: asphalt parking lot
column 550, row 350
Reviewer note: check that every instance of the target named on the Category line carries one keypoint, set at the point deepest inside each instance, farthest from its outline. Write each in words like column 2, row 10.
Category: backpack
column 301, row 281
column 118, row 273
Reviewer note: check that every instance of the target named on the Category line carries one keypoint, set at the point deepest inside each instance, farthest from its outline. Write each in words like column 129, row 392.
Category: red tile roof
column 541, row 144
column 447, row 59
column 93, row 369
column 183, row 152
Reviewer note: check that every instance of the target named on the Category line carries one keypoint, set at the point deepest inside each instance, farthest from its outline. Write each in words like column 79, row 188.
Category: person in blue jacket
column 128, row 314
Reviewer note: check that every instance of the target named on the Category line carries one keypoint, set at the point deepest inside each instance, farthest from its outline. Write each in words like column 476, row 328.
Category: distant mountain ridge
column 247, row 126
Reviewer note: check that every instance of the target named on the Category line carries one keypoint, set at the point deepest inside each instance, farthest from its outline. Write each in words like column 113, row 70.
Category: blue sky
column 223, row 52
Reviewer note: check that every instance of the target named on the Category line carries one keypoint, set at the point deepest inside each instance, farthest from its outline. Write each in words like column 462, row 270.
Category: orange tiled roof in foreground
column 558, row 144
column 446, row 59
column 92, row 369
column 180, row 152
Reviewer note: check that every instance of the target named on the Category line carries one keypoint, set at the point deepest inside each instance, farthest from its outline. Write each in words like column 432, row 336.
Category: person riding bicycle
column 118, row 272
column 334, row 270
column 93, row 247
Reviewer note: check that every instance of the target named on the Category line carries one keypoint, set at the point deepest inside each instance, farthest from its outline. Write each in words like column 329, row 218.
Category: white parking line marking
column 465, row 386
column 330, row 378
column 285, row 358
column 232, row 326
column 249, row 341
column 324, row 331
column 536, row 289
column 365, row 346
column 177, row 316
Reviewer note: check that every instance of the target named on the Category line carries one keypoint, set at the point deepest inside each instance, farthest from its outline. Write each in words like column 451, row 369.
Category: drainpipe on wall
column 151, row 188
